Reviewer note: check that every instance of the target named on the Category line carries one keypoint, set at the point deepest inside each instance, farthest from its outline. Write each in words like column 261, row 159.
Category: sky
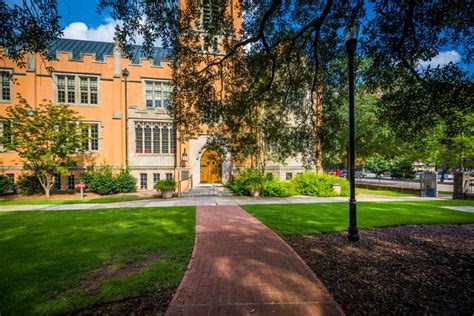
column 81, row 21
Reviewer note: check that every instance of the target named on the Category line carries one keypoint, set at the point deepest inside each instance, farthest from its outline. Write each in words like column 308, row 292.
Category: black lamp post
column 351, row 44
column 125, row 76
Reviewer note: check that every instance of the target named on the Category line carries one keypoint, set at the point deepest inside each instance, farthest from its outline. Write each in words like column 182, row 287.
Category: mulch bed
column 419, row 269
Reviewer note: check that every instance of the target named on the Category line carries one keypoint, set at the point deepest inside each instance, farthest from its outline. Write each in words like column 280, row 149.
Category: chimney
column 117, row 53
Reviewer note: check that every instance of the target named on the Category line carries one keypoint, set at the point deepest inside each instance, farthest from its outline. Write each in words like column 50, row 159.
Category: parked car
column 337, row 173
column 360, row 174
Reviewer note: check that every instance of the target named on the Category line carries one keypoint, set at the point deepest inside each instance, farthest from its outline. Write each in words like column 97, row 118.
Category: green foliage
column 235, row 185
column 5, row 184
column 309, row 183
column 402, row 169
column 126, row 183
column 377, row 164
column 276, row 187
column 165, row 185
column 249, row 179
column 104, row 182
column 47, row 139
column 28, row 185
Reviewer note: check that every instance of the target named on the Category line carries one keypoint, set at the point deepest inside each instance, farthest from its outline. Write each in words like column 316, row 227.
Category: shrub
column 248, row 180
column 402, row 169
column 126, row 183
column 309, row 183
column 165, row 185
column 276, row 187
column 5, row 184
column 235, row 185
column 29, row 185
column 104, row 182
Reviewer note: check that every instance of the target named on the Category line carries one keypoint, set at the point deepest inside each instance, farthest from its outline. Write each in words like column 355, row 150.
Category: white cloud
column 443, row 58
column 103, row 33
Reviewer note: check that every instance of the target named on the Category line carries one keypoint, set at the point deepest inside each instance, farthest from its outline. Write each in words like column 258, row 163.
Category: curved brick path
column 240, row 267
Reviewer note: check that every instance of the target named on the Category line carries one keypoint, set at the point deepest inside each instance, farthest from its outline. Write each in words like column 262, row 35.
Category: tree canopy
column 46, row 138
column 264, row 86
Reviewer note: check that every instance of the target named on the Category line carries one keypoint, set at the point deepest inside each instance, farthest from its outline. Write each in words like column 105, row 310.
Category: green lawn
column 46, row 256
column 291, row 219
column 382, row 192
column 100, row 200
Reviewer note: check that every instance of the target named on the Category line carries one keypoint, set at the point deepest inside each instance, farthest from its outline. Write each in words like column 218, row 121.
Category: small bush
column 235, row 185
column 29, row 185
column 276, row 187
column 248, row 180
column 5, row 184
column 309, row 183
column 104, row 182
column 126, row 183
column 165, row 185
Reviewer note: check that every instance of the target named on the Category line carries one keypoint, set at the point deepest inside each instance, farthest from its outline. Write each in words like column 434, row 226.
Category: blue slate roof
column 101, row 49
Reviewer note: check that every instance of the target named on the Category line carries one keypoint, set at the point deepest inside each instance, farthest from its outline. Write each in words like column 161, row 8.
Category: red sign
column 81, row 185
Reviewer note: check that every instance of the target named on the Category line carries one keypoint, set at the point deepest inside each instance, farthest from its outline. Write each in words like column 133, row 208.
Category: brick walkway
column 240, row 267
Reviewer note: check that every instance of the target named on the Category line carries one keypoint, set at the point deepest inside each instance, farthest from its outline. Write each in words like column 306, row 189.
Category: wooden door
column 211, row 167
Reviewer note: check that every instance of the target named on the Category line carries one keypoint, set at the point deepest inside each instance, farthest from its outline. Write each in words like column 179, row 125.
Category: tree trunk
column 47, row 182
column 317, row 124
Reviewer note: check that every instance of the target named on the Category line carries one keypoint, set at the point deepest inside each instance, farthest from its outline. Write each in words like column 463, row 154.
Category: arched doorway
column 211, row 167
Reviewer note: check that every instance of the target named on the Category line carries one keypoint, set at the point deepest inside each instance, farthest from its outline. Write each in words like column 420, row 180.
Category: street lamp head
column 184, row 158
column 352, row 33
column 125, row 73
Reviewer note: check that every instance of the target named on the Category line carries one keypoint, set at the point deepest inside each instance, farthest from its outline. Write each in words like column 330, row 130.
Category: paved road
column 203, row 201
column 445, row 187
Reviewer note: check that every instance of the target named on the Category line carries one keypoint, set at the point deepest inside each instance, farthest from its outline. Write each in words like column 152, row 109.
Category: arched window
column 164, row 140
column 147, row 139
column 138, row 139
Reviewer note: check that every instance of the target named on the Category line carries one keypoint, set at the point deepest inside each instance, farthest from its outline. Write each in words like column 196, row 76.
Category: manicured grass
column 382, row 192
column 46, row 256
column 291, row 219
column 100, row 200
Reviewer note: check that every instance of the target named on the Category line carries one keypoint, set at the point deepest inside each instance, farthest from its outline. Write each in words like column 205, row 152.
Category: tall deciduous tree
column 47, row 138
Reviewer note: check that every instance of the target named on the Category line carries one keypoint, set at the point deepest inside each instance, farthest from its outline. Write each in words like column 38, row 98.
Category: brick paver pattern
column 240, row 267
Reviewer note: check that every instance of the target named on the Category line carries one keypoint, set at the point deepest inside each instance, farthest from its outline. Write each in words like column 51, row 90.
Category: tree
column 377, row 164
column 47, row 138
column 402, row 168
column 28, row 26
